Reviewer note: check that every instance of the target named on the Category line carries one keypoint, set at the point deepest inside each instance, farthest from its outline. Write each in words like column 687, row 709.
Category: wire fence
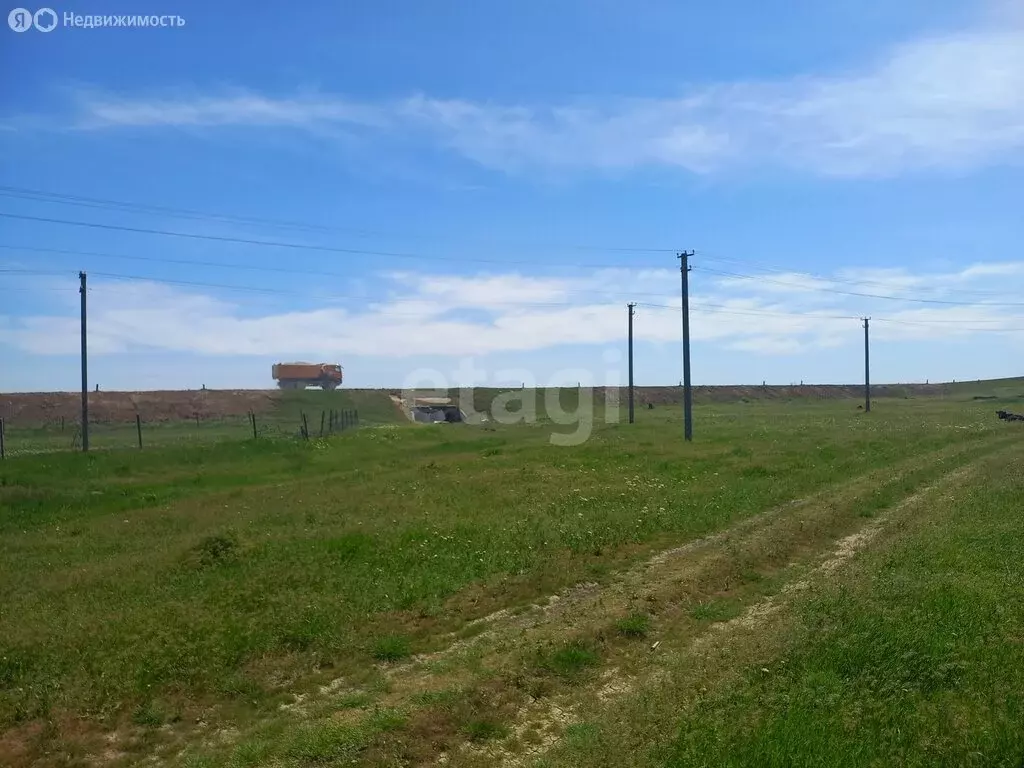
column 63, row 434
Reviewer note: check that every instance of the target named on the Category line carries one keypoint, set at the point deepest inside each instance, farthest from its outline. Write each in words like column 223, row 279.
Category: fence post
column 355, row 414
column 138, row 427
column 197, row 418
column 252, row 418
column 305, row 426
column 61, row 423
column 323, row 415
column 3, row 450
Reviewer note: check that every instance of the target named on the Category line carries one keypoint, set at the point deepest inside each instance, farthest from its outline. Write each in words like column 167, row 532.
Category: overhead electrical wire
column 257, row 268
column 705, row 256
column 107, row 204
column 299, row 246
column 292, row 270
column 726, row 309
column 249, row 241
column 393, row 254
column 838, row 291
column 699, row 307
column 20, row 271
column 34, row 195
column 715, row 309
column 42, row 196
column 20, row 193
column 331, row 296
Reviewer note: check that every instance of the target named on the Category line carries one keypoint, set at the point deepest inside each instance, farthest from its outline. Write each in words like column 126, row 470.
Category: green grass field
column 382, row 596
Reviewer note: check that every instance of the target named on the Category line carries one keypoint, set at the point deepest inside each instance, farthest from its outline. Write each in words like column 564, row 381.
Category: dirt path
column 642, row 667
column 748, row 571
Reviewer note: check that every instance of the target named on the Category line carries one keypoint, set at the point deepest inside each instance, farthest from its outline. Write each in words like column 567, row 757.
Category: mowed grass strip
column 166, row 580
column 911, row 654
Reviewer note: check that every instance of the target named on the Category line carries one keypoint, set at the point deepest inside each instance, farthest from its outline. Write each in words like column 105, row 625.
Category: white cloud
column 102, row 110
column 484, row 291
column 950, row 101
column 451, row 316
column 867, row 282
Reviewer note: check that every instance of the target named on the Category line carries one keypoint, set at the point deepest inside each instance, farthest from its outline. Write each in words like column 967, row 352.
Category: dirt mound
column 33, row 409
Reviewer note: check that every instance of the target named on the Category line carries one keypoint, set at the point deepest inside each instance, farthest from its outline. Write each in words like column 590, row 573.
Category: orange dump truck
column 302, row 375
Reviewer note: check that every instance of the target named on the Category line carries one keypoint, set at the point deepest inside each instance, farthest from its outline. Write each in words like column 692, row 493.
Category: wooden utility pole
column 632, row 311
column 85, row 368
column 867, row 367
column 684, row 271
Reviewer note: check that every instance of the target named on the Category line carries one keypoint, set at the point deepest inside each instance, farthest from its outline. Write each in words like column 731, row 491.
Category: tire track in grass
column 711, row 663
column 495, row 668
column 577, row 601
column 546, row 720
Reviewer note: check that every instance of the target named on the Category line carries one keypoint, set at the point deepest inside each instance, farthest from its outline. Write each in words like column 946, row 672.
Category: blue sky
column 489, row 184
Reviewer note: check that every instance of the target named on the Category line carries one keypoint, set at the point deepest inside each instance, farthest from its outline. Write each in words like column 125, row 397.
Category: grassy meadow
column 383, row 595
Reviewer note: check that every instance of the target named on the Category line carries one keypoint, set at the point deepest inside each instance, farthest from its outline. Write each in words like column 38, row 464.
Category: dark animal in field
column 1007, row 416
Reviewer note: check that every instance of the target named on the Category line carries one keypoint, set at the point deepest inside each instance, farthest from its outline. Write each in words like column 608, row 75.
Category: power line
column 189, row 213
column 296, row 246
column 834, row 280
column 17, row 271
column 725, row 309
column 329, row 273
column 11, row 289
column 20, row 193
column 261, row 268
column 164, row 260
column 821, row 289
column 306, row 294
column 717, row 309
column 953, row 330
column 35, row 195
column 333, row 296
column 713, row 309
